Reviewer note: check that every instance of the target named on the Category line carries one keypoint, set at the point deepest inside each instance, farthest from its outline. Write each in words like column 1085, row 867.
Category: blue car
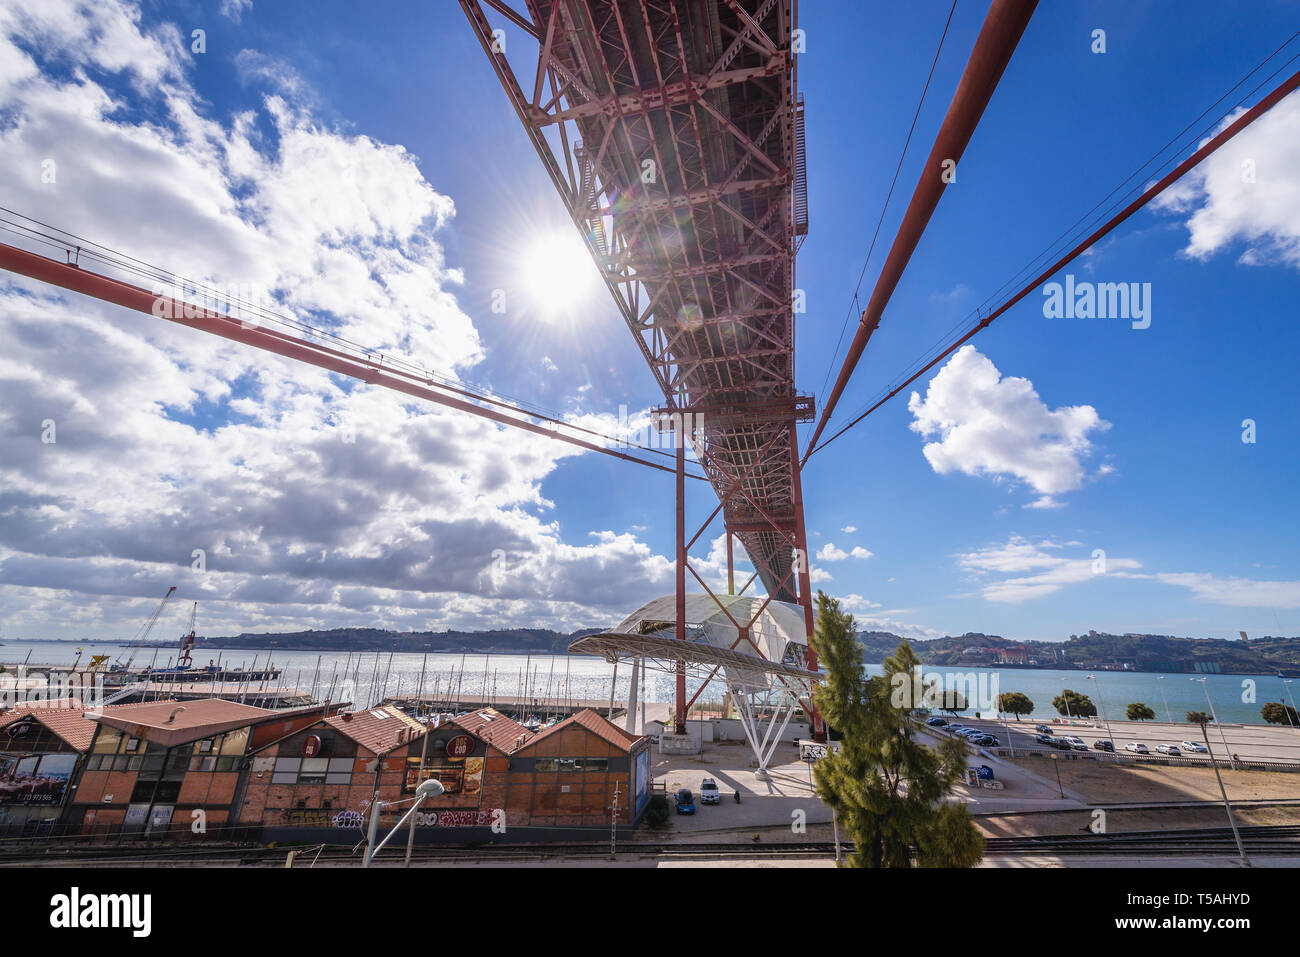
column 685, row 801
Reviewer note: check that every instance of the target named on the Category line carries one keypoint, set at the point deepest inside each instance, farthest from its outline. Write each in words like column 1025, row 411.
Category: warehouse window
column 583, row 764
column 312, row 771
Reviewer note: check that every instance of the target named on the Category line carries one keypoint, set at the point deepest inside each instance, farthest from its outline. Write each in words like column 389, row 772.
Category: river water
column 1235, row 698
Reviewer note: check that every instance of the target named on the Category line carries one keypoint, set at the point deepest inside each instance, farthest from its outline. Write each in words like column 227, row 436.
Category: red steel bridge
column 673, row 132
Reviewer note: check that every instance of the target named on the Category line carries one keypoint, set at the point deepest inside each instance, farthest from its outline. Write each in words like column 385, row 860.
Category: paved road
column 1251, row 742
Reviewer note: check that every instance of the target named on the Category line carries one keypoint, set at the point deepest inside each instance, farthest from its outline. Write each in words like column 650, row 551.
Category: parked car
column 1169, row 749
column 709, row 793
column 988, row 741
column 1076, row 743
column 1062, row 745
column 1046, row 739
column 936, row 722
column 685, row 801
column 1195, row 747
column 957, row 728
column 1043, row 729
column 1137, row 747
column 1101, row 744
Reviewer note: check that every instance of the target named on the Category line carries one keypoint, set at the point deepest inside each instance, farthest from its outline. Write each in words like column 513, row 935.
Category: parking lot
column 781, row 799
column 1262, row 743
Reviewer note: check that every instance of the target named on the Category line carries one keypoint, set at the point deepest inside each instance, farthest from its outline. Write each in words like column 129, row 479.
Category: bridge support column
column 805, row 577
column 679, row 435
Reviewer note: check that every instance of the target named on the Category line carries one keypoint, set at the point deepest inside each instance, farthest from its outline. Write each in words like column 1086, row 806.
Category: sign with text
column 813, row 751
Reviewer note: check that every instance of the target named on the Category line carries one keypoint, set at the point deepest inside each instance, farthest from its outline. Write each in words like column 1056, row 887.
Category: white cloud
column 1226, row 206
column 234, row 9
column 318, row 502
column 830, row 552
column 856, row 604
column 989, row 425
column 1238, row 592
column 956, row 293
column 904, row 629
column 1052, row 570
column 849, row 529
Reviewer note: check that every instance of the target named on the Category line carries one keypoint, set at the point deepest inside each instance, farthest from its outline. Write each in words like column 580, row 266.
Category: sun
column 558, row 273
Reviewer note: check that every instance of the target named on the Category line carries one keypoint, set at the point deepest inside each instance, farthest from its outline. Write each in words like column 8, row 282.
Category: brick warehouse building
column 167, row 769
column 318, row 783
column 324, row 775
column 565, row 777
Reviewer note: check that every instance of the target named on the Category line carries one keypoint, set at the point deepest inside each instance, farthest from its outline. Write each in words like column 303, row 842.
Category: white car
column 1169, row 749
column 1137, row 747
column 1195, row 747
column 709, row 793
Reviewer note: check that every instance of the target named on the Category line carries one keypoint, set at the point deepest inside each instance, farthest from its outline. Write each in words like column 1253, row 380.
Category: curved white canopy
column 778, row 628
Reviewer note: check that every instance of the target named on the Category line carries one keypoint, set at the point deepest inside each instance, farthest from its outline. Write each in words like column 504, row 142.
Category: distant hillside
column 1094, row 650
column 1098, row 650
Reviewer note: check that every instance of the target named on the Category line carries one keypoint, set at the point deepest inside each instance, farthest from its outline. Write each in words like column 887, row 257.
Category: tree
column 1074, row 705
column 1201, row 718
column 884, row 785
column 951, row 701
column 1275, row 712
column 1139, row 712
column 1014, row 702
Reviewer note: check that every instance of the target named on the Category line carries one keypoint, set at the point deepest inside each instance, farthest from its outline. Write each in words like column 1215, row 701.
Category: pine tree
column 886, row 787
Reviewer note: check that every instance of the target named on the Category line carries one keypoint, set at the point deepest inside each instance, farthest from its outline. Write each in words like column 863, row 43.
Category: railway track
column 1164, row 843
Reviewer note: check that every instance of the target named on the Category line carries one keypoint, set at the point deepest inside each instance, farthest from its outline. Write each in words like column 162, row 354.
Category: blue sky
column 401, row 107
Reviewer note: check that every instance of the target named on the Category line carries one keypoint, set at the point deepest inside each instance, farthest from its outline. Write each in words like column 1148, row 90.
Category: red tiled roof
column 378, row 730
column 498, row 730
column 174, row 722
column 70, row 724
column 597, row 725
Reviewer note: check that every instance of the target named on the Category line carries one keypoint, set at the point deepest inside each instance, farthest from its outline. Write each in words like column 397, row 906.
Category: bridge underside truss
column 673, row 132
column 673, row 135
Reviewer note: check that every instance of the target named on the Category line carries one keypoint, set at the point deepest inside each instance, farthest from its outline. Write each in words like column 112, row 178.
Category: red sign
column 311, row 745
column 461, row 746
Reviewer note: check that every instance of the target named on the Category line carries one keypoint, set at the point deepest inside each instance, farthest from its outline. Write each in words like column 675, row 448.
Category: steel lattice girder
column 672, row 131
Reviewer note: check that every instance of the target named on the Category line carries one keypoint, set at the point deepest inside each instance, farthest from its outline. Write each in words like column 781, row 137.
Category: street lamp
column 1065, row 697
column 1286, row 685
column 1231, row 760
column 1241, row 850
column 427, row 789
column 1168, row 717
column 1102, row 701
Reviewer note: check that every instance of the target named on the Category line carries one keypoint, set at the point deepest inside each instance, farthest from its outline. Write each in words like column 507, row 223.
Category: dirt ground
column 1108, row 783
column 1077, row 822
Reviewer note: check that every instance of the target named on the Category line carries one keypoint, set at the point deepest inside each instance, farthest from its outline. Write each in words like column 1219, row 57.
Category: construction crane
column 184, row 659
column 143, row 633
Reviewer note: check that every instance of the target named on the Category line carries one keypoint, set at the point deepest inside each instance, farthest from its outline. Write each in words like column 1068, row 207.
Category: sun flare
column 558, row 273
